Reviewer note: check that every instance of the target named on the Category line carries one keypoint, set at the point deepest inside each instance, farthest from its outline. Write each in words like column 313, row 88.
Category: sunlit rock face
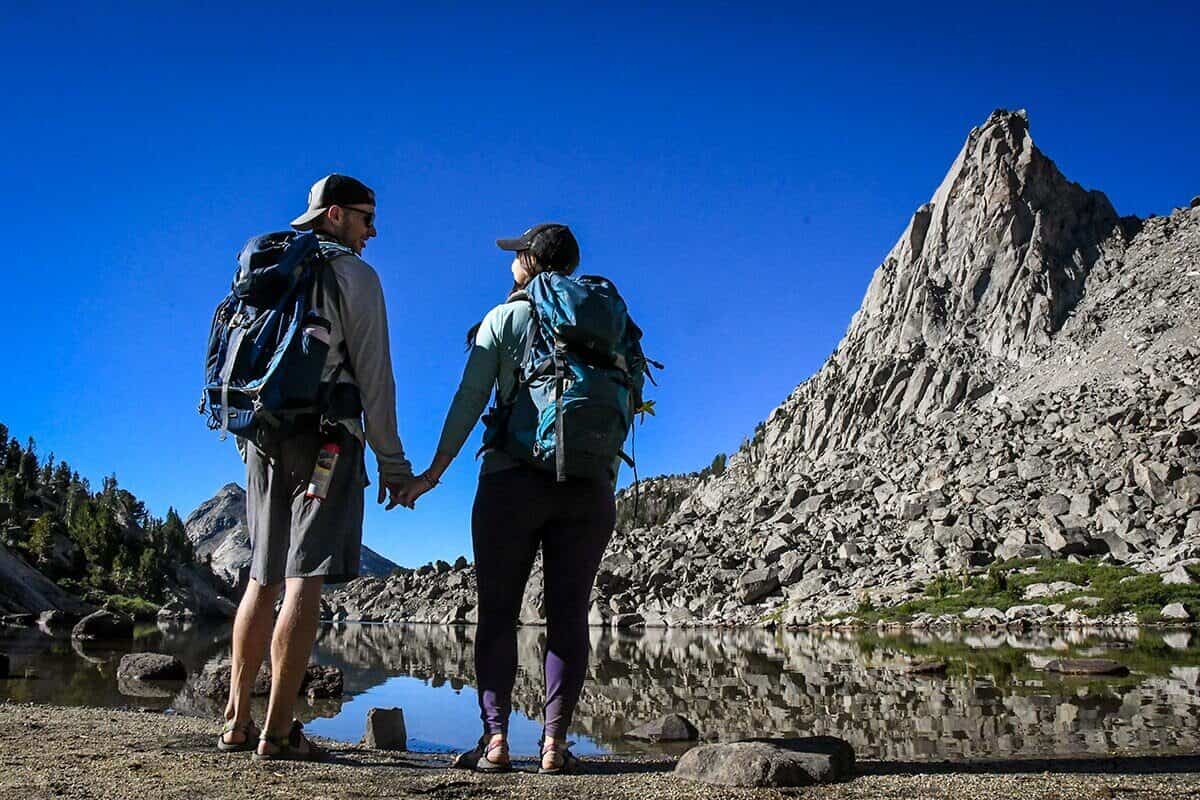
column 988, row 270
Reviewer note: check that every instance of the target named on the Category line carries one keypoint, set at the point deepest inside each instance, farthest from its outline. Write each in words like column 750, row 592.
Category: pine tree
column 41, row 539
column 176, row 545
column 29, row 465
column 13, row 457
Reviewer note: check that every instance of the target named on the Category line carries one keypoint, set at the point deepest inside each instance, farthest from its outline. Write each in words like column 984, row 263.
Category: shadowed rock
column 319, row 681
column 769, row 762
column 103, row 624
column 385, row 729
column 668, row 728
column 151, row 667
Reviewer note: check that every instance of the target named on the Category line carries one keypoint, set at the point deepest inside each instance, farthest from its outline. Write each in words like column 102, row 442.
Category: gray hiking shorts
column 293, row 536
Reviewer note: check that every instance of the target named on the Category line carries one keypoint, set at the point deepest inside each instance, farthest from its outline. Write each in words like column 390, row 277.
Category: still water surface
column 993, row 701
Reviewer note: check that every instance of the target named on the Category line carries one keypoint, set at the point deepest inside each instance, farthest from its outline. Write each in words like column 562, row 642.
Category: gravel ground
column 51, row 751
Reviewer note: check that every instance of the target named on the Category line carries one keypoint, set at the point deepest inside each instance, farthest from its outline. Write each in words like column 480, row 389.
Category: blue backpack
column 580, row 380
column 269, row 341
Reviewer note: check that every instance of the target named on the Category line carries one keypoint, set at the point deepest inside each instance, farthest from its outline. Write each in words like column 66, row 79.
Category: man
column 299, row 542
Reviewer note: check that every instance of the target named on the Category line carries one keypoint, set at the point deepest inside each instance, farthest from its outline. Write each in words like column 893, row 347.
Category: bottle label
column 322, row 476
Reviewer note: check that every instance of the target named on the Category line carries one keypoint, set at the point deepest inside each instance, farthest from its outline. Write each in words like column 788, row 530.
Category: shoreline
column 78, row 752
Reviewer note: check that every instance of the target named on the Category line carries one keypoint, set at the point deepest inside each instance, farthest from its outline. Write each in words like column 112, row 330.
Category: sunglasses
column 368, row 216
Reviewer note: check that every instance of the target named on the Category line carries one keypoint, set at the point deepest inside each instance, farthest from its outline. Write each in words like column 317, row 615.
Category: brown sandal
column 292, row 746
column 250, row 734
column 563, row 761
column 477, row 757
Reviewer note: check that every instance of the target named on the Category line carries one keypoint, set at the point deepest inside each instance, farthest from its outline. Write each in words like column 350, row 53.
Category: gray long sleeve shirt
column 361, row 340
column 494, row 360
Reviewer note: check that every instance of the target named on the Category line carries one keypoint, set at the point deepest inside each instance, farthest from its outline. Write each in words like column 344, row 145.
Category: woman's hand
column 416, row 487
column 426, row 480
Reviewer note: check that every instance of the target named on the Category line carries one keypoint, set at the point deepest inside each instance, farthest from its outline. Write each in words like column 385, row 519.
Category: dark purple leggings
column 516, row 510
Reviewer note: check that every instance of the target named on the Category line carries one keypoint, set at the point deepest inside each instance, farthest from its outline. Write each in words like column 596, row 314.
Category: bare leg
column 251, row 633
column 291, row 647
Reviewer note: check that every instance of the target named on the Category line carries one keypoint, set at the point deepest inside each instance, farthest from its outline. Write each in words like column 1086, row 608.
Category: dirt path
column 51, row 751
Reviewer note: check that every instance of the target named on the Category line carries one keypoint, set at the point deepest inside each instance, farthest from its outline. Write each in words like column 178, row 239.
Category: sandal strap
column 244, row 727
column 290, row 739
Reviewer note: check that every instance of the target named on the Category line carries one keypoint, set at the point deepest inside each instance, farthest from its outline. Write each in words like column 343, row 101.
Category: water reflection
column 992, row 701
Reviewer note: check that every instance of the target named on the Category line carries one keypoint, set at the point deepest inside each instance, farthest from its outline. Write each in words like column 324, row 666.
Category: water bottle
column 318, row 485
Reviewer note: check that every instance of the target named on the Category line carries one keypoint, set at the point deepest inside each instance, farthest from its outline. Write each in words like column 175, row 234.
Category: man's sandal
column 292, row 746
column 250, row 734
column 562, row 760
column 477, row 757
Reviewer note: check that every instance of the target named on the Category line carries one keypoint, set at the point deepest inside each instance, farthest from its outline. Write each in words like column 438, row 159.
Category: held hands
column 415, row 488
column 406, row 491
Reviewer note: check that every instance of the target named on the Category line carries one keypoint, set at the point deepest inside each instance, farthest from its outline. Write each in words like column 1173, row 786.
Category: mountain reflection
column 993, row 701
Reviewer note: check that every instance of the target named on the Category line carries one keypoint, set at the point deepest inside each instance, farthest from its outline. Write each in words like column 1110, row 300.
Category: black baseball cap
column 551, row 243
column 333, row 190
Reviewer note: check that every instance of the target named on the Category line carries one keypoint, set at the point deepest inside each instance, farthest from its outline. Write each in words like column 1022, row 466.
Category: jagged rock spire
column 986, row 272
column 996, row 259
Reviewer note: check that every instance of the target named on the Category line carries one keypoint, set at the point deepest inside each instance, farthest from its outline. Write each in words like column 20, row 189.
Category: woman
column 519, row 507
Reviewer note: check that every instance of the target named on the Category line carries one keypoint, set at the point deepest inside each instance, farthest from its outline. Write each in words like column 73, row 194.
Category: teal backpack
column 579, row 383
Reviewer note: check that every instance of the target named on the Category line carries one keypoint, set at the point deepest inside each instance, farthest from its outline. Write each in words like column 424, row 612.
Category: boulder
column 769, row 763
column 757, row 584
column 132, row 687
column 791, row 568
column 151, row 667
column 1175, row 612
column 1054, row 505
column 1179, row 576
column 385, row 729
column 103, row 624
column 213, row 681
column 599, row 614
column 627, row 620
column 1028, row 611
column 1086, row 666
column 319, row 681
column 669, row 728
column 985, row 615
column 1038, row 591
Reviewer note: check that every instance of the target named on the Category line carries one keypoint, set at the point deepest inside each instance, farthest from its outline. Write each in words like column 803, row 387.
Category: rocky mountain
column 1020, row 380
column 217, row 529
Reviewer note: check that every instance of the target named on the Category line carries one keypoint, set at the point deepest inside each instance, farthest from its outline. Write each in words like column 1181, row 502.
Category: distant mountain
column 217, row 529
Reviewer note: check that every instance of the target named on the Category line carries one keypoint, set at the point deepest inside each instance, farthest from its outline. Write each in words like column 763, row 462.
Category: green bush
column 135, row 607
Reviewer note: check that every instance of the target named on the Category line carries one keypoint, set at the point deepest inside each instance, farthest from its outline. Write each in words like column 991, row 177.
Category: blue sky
column 738, row 170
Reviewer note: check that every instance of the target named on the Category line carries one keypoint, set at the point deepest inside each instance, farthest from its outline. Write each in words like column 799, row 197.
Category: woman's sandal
column 292, row 746
column 477, row 757
column 250, row 734
column 563, row 761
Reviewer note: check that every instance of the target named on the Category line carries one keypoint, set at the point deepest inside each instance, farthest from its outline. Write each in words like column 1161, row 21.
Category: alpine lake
column 928, row 696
